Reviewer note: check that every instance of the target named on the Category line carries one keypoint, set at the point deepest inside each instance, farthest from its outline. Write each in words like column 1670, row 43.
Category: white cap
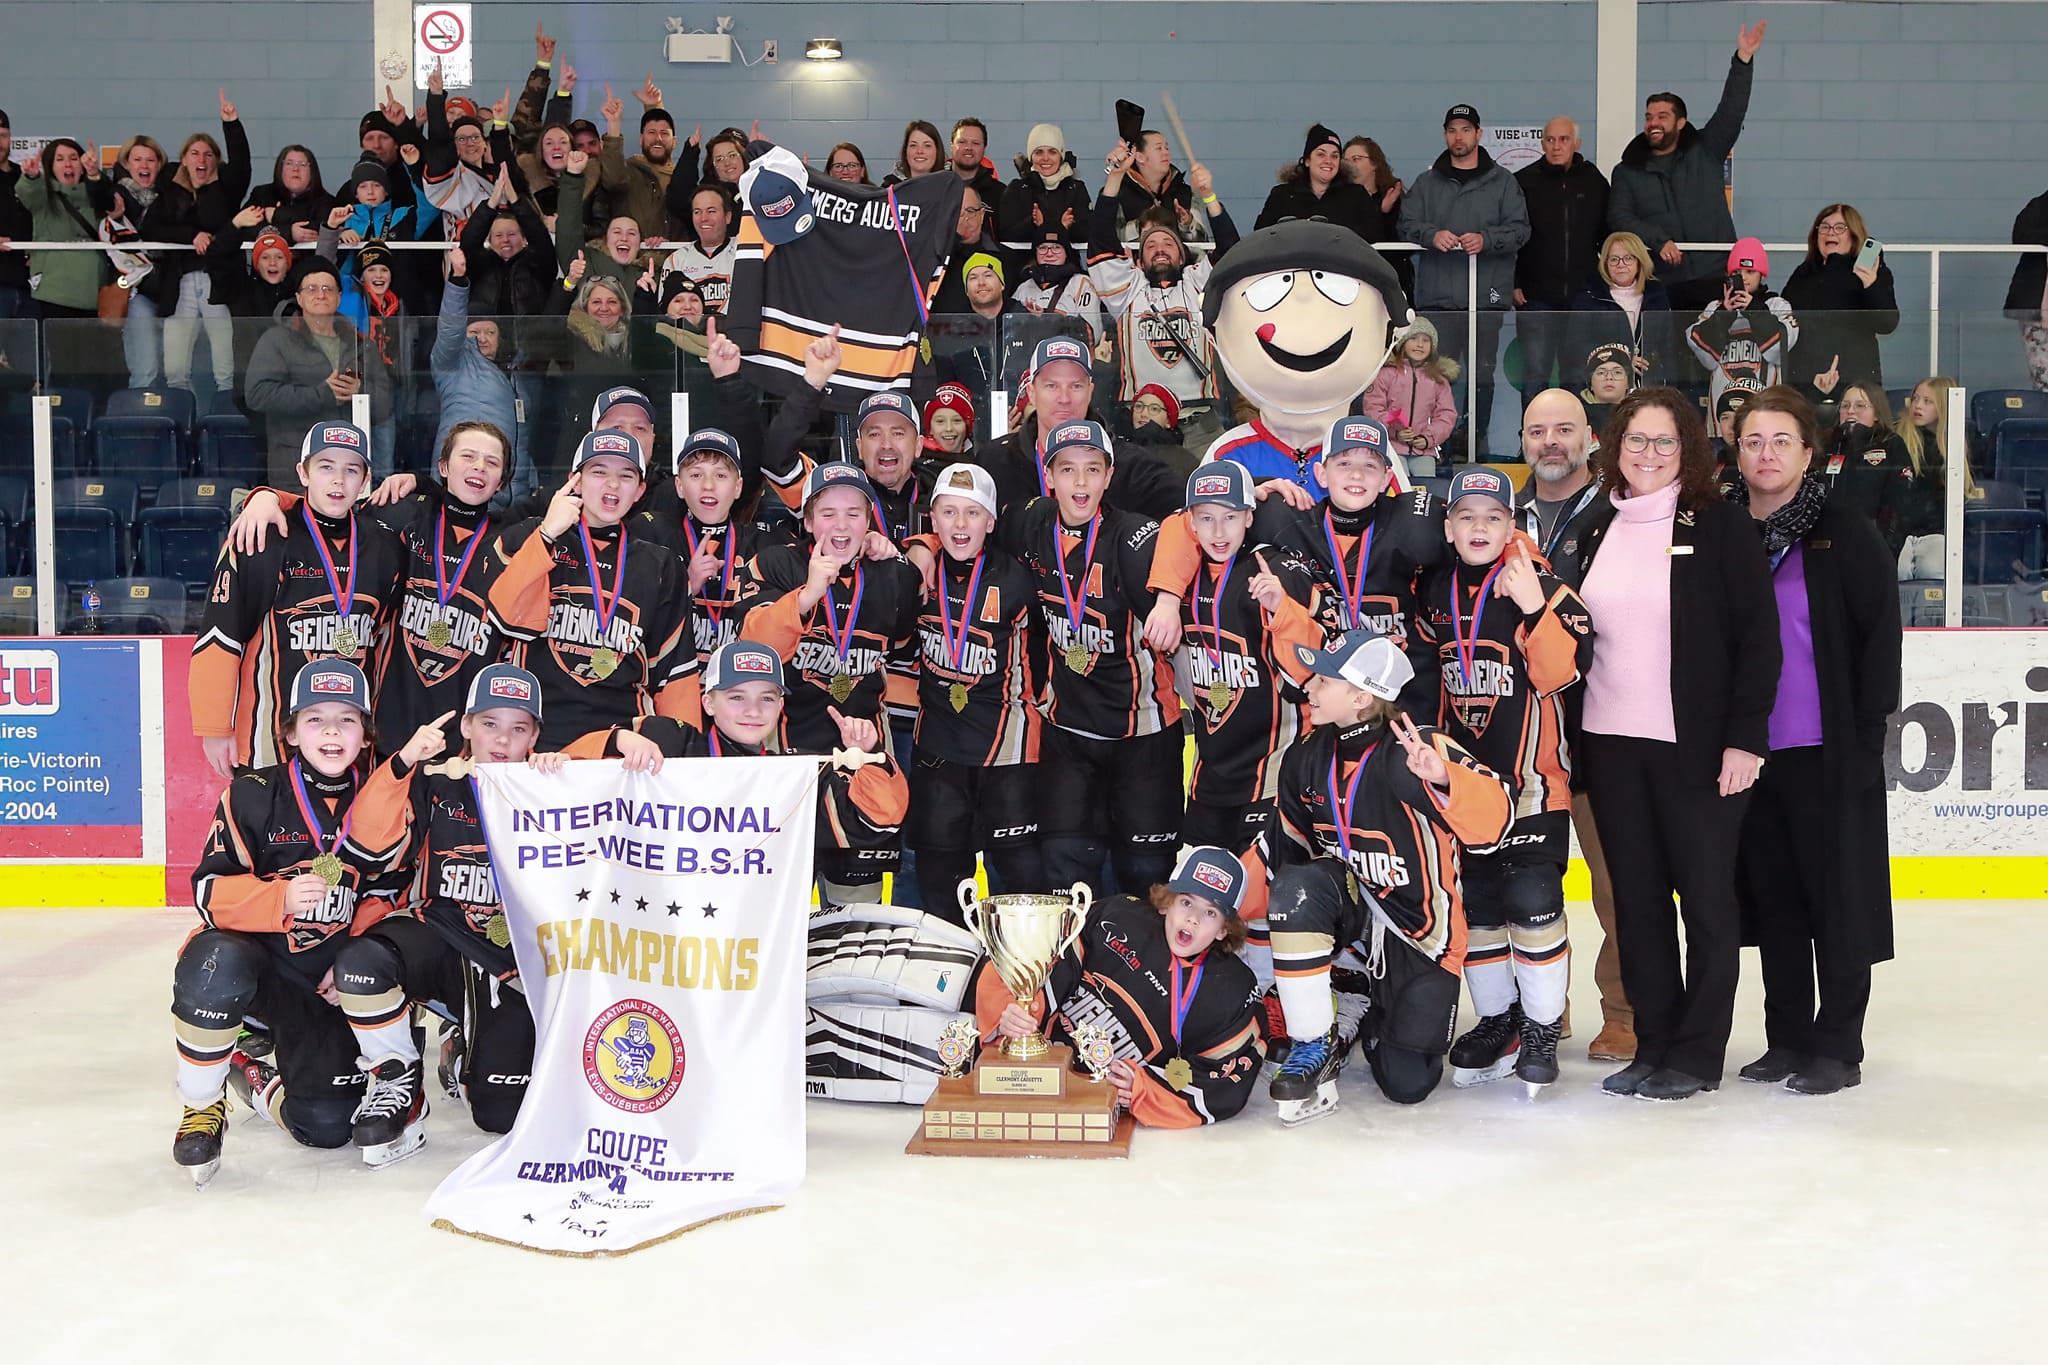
column 969, row 481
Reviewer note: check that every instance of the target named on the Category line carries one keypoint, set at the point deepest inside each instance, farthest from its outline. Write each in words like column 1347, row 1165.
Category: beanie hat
column 270, row 239
column 1612, row 353
column 1166, row 400
column 372, row 122
column 1749, row 255
column 373, row 252
column 1319, row 136
column 979, row 259
column 459, row 107
column 1046, row 135
column 953, row 398
column 1423, row 327
column 655, row 113
column 678, row 283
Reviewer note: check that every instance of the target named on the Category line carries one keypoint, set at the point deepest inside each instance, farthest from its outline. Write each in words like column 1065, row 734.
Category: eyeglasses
column 1620, row 260
column 318, row 290
column 1784, row 443
column 844, row 166
column 469, row 137
column 1834, row 227
column 1636, row 442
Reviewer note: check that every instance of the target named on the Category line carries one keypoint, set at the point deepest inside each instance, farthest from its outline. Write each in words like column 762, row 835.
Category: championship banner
column 659, row 922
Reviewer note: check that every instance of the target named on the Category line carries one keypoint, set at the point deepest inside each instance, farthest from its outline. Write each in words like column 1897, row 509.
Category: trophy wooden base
column 1035, row 1108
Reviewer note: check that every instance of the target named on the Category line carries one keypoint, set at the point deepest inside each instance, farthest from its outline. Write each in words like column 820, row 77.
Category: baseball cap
column 892, row 401
column 503, row 685
column 1225, row 483
column 1481, row 483
column 777, row 190
column 708, row 441
column 1358, row 433
column 969, row 481
column 616, row 443
column 1749, row 255
column 1084, row 435
column 1461, row 111
column 743, row 661
column 835, row 474
column 1213, row 874
column 1364, row 658
column 330, row 680
column 346, row 437
column 1058, row 348
column 612, row 397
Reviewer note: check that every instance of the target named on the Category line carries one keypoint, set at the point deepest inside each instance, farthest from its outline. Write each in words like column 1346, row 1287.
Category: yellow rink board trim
column 81, row 885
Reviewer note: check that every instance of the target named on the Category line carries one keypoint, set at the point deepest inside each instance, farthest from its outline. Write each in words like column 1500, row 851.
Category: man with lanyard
column 1552, row 510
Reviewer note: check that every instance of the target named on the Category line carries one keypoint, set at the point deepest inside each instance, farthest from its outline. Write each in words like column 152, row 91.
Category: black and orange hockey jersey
column 1502, row 694
column 1350, row 796
column 1120, row 975
column 975, row 649
column 542, row 599
column 874, row 607
column 870, row 263
column 271, row 613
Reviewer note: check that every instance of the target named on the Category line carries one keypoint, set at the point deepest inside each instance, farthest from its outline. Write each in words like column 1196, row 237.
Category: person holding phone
column 309, row 367
column 1842, row 295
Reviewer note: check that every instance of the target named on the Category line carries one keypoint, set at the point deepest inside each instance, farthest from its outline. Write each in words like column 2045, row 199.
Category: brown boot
column 1616, row 1043
column 1564, row 1023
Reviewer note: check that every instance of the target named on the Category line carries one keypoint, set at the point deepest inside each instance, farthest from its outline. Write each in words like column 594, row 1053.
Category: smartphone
column 1867, row 258
column 1733, row 284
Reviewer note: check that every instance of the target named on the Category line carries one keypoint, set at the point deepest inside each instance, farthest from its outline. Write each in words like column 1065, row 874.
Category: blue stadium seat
column 1921, row 601
column 146, row 450
column 17, row 606
column 228, row 447
column 17, row 440
column 92, row 521
column 14, row 500
column 177, row 404
column 201, row 491
column 1995, row 493
column 2003, row 545
column 131, row 606
column 181, row 542
column 1898, row 398
column 73, row 405
column 2019, row 454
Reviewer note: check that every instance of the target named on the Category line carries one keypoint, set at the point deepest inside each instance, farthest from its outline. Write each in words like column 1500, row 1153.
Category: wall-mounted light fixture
column 823, row 50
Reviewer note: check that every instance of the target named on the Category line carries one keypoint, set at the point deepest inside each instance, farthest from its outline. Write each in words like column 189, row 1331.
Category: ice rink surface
column 1897, row 1222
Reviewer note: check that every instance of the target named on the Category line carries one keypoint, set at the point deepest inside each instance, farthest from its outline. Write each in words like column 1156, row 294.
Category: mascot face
column 1302, row 340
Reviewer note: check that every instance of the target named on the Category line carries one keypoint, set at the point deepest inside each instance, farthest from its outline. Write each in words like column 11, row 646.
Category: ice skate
column 197, row 1145
column 449, row 1069
column 255, row 1083
column 1536, row 1062
column 1351, row 997
column 390, row 1123
column 1274, row 1021
column 1305, row 1087
column 255, row 1039
column 1488, row 1049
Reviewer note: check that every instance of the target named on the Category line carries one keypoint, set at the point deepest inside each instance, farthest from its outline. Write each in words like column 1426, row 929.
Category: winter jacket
column 287, row 384
column 1014, row 221
column 287, row 210
column 1567, row 208
column 515, row 288
column 2030, row 276
column 1839, row 317
column 644, row 189
column 1133, row 201
column 1598, row 320
column 1489, row 202
column 1753, row 344
column 1345, row 203
column 472, row 388
column 1402, row 396
column 14, row 224
column 540, row 102
column 180, row 214
column 69, row 279
column 570, row 240
column 1682, row 197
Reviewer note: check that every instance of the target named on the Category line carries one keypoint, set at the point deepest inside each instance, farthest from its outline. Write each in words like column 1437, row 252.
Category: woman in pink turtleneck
column 1676, row 720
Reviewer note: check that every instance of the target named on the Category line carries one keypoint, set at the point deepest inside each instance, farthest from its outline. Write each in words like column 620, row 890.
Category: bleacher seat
column 228, row 447
column 1995, row 493
column 2003, row 545
column 177, row 404
column 17, row 606
column 131, row 606
column 146, row 450
column 2019, row 454
column 17, row 433
column 181, row 541
column 1985, row 605
column 201, row 491
column 1921, row 601
column 1992, row 408
column 73, row 405
column 93, row 517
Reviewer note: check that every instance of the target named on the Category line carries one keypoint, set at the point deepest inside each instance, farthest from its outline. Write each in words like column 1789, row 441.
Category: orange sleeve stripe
column 778, row 624
column 864, row 362
column 520, row 594
column 992, row 997
column 370, row 912
column 791, row 494
column 1175, row 557
column 881, row 793
column 592, row 745
column 1552, row 652
column 247, row 902
column 217, row 686
column 1478, row 810
column 1290, row 626
column 381, row 814
column 1157, row 1106
column 682, row 700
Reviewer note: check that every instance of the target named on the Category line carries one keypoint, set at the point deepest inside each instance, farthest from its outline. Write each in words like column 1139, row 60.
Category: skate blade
column 203, row 1174
column 1465, row 1077
column 397, row 1150
column 1294, row 1113
column 1531, row 1089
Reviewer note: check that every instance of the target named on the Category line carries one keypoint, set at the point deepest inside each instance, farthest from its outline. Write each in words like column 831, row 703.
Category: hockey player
column 1164, row 979
column 441, row 635
column 705, row 529
column 1111, row 757
column 1510, row 639
column 279, row 890
column 606, row 630
column 422, row 817
column 1373, row 810
column 1365, row 544
column 861, row 798
column 322, row 590
column 974, row 781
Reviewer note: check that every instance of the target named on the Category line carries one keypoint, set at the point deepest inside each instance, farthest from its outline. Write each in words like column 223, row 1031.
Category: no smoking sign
column 441, row 32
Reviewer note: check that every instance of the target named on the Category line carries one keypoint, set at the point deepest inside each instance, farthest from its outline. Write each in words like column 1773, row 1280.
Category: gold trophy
column 1025, row 1098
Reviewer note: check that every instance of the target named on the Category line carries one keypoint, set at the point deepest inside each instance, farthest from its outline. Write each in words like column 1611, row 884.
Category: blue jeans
column 142, row 342
column 181, row 335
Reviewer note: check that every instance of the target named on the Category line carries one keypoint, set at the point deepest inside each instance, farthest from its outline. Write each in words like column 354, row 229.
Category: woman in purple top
column 1814, row 869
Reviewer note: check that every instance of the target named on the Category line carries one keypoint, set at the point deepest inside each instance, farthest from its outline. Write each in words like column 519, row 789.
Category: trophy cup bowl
column 1024, row 935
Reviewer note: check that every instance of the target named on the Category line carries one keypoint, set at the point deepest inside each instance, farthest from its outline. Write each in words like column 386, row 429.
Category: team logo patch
column 609, row 443
column 633, row 1057
column 341, row 436
column 512, row 689
column 833, row 473
column 332, row 683
column 779, row 208
column 1481, row 481
column 1213, row 877
column 751, row 663
column 1210, row 484
column 1078, row 432
column 1062, row 350
column 1364, row 432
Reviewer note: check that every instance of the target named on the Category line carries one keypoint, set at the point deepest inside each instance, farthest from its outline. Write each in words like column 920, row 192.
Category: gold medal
column 841, row 686
column 1077, row 658
column 957, row 695
column 1219, row 697
column 345, row 642
column 1179, row 1074
column 439, row 633
column 328, row 868
column 498, row 931
column 604, row 662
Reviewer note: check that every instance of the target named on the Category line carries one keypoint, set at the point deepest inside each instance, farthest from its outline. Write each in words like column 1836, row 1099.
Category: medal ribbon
column 1564, row 518
column 1353, row 592
column 1181, row 1004
column 313, row 826
column 956, row 650
column 842, row 642
column 444, row 591
column 725, row 575
column 1077, row 607
column 1215, row 651
column 1340, row 805
column 344, row 595
column 605, row 610
column 1467, row 644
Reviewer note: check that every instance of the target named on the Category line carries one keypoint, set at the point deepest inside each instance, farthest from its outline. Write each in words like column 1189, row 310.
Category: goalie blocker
column 881, row 984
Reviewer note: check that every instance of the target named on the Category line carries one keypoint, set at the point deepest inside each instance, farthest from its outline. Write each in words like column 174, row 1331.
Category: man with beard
column 1158, row 298
column 645, row 176
column 970, row 160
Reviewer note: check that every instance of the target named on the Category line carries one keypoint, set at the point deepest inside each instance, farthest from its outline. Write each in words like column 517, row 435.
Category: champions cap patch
column 1210, row 875
column 1209, row 484
column 331, row 683
column 513, row 689
column 504, row 685
column 1213, row 875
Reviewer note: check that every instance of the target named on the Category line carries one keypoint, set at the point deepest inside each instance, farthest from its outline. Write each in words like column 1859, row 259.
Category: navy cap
column 1060, row 348
column 1213, row 874
column 1364, row 658
column 346, row 437
column 503, row 685
column 326, row 680
column 612, row 397
column 1083, row 435
column 1223, row 482
column 1481, row 483
column 897, row 403
column 708, row 441
column 1359, row 433
column 616, row 443
column 838, row 474
column 777, row 190
column 743, row 661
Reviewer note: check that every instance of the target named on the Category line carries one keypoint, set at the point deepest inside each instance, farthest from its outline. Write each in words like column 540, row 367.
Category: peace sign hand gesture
column 1423, row 759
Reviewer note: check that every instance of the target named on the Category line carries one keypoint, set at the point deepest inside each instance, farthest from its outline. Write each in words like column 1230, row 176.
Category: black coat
column 1133, row 200
column 1346, row 203
column 1724, row 632
column 180, row 215
column 1839, row 317
column 1657, row 334
column 2030, row 276
column 521, row 287
column 1853, row 608
column 1567, row 222
column 14, row 223
column 1028, row 191
column 288, row 210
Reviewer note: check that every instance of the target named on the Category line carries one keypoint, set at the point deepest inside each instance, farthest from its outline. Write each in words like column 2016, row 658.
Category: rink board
column 1966, row 762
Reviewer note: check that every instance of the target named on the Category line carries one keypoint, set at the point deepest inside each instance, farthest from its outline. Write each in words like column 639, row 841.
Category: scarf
column 1790, row 523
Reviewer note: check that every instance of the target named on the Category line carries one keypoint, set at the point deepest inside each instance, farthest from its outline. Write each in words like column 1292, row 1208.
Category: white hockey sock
column 1306, row 1002
column 388, row 1041
column 1542, row 957
column 1488, row 974
column 1257, row 954
column 201, row 1083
